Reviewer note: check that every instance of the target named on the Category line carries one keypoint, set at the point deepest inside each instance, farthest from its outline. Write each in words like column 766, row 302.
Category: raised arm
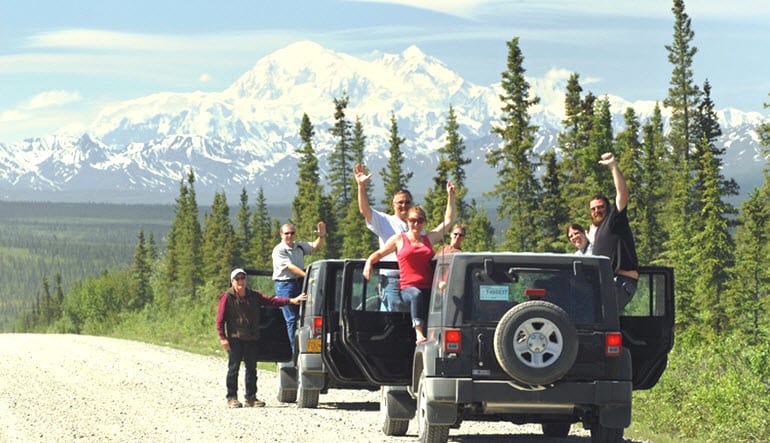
column 437, row 233
column 363, row 199
column 621, row 189
column 319, row 241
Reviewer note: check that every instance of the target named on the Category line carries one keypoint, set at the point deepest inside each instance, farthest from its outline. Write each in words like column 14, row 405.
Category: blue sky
column 61, row 61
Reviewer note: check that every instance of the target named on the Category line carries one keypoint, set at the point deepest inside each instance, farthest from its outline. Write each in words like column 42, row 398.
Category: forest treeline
column 717, row 387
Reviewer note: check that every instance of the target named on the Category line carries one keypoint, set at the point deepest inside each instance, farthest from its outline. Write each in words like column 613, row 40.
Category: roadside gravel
column 62, row 388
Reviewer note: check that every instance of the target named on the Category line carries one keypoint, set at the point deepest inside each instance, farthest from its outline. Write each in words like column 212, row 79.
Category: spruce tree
column 243, row 234
column 184, row 264
column 683, row 94
column 357, row 240
column 139, row 273
column 261, row 246
column 517, row 187
column 307, row 204
column 393, row 175
column 713, row 254
column 553, row 213
column 600, row 141
column 219, row 242
column 340, row 176
column 451, row 166
column 479, row 233
column 749, row 284
column 649, row 192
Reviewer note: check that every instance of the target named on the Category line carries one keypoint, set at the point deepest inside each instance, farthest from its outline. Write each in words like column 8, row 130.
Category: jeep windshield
column 492, row 287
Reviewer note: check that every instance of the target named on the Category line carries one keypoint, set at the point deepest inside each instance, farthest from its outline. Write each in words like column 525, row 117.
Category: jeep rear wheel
column 536, row 343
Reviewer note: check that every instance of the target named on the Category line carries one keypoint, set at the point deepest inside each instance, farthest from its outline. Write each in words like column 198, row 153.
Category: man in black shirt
column 611, row 235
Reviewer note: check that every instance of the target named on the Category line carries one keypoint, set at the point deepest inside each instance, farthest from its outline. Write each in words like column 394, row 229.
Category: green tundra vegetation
column 162, row 286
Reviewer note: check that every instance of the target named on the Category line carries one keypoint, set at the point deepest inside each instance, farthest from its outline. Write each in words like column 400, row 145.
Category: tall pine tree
column 357, row 240
column 307, row 205
column 219, row 242
column 393, row 175
column 340, row 176
column 261, row 246
column 517, row 187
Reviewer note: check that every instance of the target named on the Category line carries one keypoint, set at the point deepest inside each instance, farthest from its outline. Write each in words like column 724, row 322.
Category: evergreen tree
column 749, row 284
column 219, row 242
column 184, row 264
column 683, row 93
column 553, row 213
column 357, row 240
column 262, row 237
column 451, row 166
column 648, row 192
column 139, row 273
column 340, row 177
column 243, row 234
column 479, row 233
column 713, row 254
column 628, row 151
column 47, row 304
column 58, row 294
column 393, row 175
column 517, row 187
column 307, row 205
column 600, row 141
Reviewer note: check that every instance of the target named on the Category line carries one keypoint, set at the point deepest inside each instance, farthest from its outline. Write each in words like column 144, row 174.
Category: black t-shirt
column 614, row 239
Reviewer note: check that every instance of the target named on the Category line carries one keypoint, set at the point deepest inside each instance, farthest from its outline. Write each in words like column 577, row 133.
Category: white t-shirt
column 386, row 226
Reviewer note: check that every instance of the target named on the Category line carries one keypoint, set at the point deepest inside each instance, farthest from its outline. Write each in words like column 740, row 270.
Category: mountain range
column 247, row 135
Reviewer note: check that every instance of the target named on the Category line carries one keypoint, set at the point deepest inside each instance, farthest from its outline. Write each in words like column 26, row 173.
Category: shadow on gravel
column 520, row 438
column 352, row 406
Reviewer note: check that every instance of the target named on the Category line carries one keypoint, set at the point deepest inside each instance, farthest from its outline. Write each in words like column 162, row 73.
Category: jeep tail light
column 613, row 344
column 534, row 292
column 318, row 323
column 453, row 340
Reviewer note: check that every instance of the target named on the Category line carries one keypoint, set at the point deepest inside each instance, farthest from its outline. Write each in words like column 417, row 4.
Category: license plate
column 313, row 345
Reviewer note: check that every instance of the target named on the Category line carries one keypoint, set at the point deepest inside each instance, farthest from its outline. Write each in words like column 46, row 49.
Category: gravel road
column 81, row 388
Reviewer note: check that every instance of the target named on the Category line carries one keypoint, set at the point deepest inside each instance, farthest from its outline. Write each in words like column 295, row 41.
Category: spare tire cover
column 536, row 343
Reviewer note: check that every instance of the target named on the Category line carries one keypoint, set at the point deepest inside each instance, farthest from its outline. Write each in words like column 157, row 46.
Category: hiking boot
column 233, row 403
column 254, row 403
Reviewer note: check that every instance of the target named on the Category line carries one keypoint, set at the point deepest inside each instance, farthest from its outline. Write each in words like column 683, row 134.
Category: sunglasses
column 458, row 234
column 289, row 233
column 415, row 220
column 403, row 202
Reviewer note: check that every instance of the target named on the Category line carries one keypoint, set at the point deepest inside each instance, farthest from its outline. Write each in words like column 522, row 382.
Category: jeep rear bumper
column 611, row 400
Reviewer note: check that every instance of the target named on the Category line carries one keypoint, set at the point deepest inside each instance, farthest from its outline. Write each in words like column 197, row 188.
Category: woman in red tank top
column 414, row 250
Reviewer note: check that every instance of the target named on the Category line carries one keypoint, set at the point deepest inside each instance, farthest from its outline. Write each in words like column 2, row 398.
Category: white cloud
column 204, row 78
column 52, row 98
column 13, row 115
column 460, row 8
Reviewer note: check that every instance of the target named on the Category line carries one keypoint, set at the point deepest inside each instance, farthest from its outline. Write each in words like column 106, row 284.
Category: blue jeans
column 289, row 289
column 625, row 288
column 418, row 303
column 390, row 294
column 246, row 351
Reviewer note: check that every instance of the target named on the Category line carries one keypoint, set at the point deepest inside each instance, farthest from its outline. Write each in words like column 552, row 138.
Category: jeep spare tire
column 536, row 343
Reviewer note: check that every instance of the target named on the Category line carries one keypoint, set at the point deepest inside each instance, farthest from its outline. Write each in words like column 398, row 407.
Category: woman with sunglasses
column 414, row 250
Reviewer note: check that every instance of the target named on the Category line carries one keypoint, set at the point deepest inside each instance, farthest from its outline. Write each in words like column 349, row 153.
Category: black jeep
column 312, row 372
column 520, row 337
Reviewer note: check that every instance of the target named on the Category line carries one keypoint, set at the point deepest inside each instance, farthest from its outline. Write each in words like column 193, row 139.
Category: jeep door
column 647, row 324
column 273, row 343
column 382, row 343
column 336, row 356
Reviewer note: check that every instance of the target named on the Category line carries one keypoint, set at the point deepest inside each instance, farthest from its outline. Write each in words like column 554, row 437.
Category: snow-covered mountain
column 246, row 136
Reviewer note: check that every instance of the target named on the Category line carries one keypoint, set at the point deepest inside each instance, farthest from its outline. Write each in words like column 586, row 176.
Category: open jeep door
column 336, row 357
column 273, row 343
column 382, row 343
column 647, row 323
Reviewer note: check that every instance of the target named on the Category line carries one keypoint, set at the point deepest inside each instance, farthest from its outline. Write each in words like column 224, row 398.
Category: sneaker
column 255, row 403
column 233, row 403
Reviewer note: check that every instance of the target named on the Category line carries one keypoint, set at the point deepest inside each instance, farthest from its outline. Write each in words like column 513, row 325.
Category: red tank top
column 414, row 263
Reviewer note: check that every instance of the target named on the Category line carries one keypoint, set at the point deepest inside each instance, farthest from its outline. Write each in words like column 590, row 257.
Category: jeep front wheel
column 536, row 343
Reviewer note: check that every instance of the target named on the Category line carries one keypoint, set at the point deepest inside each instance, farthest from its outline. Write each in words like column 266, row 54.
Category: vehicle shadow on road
column 521, row 438
column 352, row 406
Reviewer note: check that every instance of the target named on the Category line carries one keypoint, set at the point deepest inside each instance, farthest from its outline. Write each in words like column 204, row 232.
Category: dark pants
column 289, row 289
column 625, row 288
column 242, row 351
